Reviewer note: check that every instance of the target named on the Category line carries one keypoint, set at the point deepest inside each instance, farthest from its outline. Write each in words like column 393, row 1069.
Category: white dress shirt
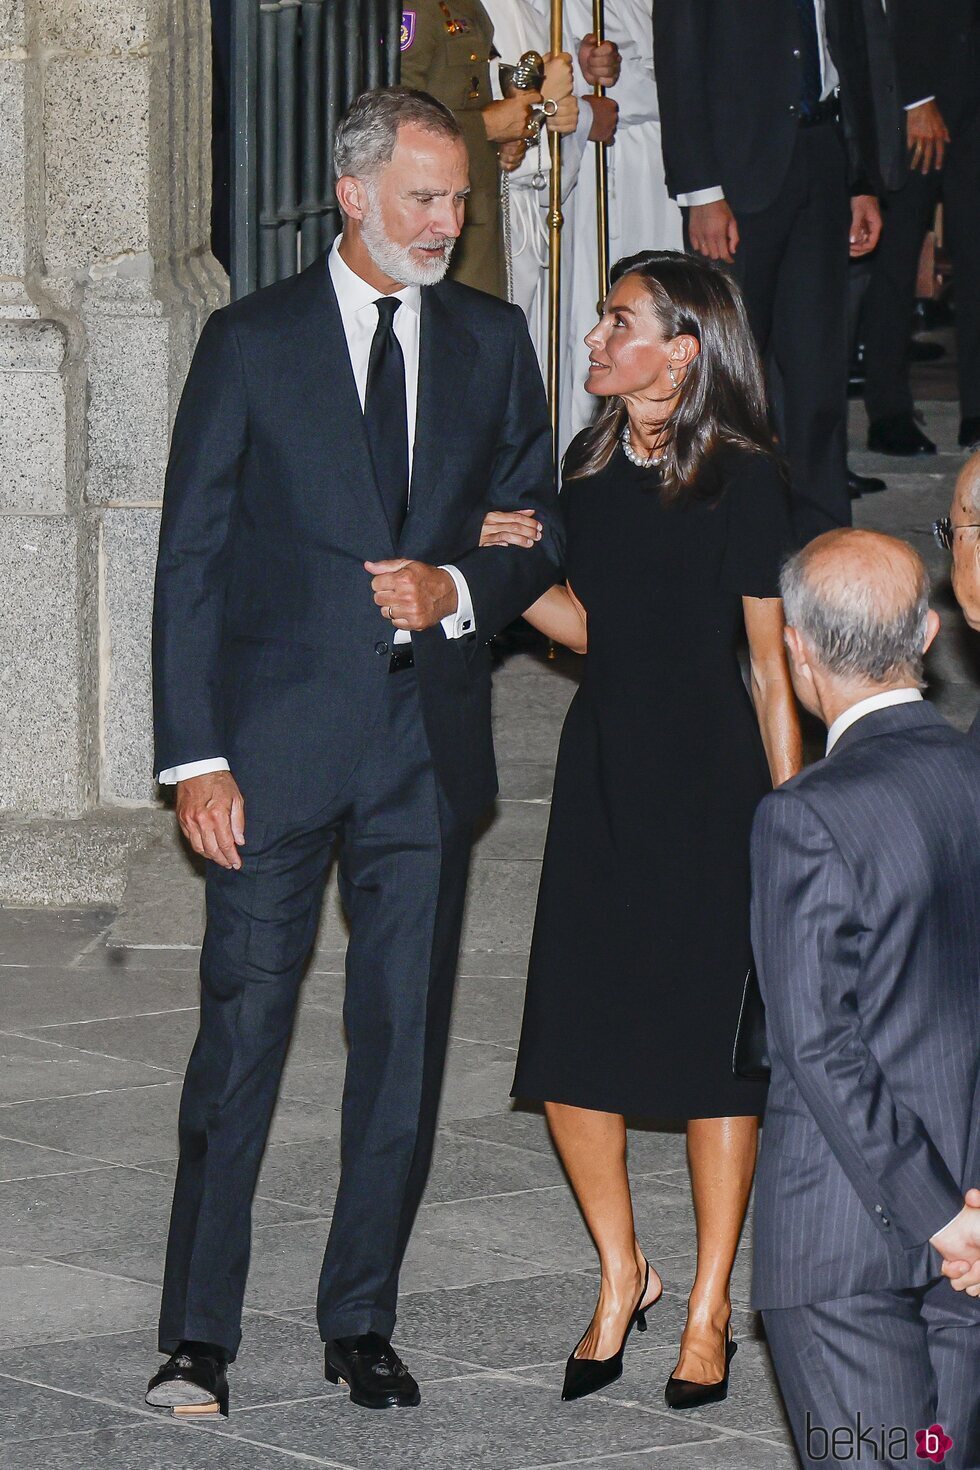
column 359, row 315
column 866, row 707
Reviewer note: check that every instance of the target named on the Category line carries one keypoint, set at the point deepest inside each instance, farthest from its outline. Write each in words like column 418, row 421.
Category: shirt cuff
column 701, row 196
column 463, row 621
column 173, row 774
column 921, row 102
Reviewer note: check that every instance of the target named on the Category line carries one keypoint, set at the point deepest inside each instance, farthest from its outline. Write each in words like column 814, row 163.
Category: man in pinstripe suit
column 866, row 929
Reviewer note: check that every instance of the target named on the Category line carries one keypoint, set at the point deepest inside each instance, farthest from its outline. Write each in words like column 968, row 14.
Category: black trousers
column 792, row 266
column 402, row 874
column 903, row 1360
column 890, row 299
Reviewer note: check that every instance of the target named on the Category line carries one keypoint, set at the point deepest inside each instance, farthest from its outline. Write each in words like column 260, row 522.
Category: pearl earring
column 673, row 375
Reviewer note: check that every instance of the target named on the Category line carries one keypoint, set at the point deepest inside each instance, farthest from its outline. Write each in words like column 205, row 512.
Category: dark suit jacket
column 936, row 52
column 866, row 932
column 729, row 79
column 267, row 645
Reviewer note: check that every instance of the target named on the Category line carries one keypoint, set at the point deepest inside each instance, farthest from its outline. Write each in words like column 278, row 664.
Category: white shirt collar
column 354, row 293
column 866, row 707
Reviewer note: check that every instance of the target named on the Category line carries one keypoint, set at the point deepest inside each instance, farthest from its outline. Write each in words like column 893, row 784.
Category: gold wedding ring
column 391, row 615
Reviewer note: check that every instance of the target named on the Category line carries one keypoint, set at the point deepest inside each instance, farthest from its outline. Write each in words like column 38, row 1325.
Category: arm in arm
column 561, row 617
column 808, row 939
column 771, row 688
column 504, row 580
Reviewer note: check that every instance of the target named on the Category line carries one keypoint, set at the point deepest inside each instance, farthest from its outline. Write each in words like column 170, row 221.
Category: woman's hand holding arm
column 771, row 687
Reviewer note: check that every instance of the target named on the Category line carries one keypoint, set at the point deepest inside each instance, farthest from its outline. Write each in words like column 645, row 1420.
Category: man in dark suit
column 937, row 49
column 320, row 654
column 758, row 99
column 866, row 932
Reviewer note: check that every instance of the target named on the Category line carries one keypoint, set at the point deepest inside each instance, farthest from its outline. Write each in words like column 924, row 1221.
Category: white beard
column 398, row 261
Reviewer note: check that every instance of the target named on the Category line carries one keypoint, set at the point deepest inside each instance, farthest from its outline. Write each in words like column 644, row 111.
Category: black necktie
column 386, row 415
column 812, row 86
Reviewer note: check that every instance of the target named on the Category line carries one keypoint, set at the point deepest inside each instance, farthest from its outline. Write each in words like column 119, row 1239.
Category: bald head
column 860, row 601
column 964, row 513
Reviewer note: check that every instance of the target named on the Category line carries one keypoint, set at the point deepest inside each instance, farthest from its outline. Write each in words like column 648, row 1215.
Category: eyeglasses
column 943, row 530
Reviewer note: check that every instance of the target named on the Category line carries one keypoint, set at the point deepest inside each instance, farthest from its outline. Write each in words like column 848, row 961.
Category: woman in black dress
column 677, row 523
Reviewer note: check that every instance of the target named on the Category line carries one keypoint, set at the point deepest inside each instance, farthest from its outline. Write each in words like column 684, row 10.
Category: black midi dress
column 641, row 938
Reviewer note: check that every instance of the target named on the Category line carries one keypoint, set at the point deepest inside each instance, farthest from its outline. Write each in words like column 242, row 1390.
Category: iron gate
column 297, row 65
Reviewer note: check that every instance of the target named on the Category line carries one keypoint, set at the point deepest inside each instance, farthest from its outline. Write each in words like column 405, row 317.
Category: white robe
column 519, row 26
column 641, row 214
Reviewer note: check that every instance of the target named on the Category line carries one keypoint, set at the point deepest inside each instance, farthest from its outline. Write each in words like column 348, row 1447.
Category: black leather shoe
column 858, row 485
column 587, row 1375
column 374, row 1373
column 193, row 1380
column 681, row 1393
column 898, row 434
column 970, row 433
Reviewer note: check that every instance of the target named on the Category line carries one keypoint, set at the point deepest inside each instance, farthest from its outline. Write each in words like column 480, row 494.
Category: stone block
column 44, row 671
column 128, row 556
column 129, row 367
column 12, row 162
column 33, row 427
column 94, row 25
column 11, row 24
column 96, row 160
column 47, row 861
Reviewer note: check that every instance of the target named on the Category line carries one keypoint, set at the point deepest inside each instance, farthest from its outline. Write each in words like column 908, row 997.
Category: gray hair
column 864, row 616
column 365, row 139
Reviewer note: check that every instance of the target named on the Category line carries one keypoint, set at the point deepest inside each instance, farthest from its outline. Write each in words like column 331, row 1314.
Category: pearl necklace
column 631, row 454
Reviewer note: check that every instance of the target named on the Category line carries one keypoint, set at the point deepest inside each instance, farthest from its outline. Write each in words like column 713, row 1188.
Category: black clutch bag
column 750, row 1057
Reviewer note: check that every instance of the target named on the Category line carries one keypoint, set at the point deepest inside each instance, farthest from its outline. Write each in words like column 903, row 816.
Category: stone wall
column 105, row 280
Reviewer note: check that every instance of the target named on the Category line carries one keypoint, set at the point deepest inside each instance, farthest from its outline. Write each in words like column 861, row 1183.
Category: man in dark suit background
column 866, row 932
column 780, row 190
column 937, row 50
column 321, row 663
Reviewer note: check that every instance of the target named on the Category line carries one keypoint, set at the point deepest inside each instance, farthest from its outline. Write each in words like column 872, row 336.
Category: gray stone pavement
column 97, row 1016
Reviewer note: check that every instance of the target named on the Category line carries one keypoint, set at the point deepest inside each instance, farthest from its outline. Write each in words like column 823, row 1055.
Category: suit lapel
column 447, row 353
column 333, row 414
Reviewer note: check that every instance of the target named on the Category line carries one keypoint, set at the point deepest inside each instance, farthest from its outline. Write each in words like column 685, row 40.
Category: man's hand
column 959, row 1245
column 558, row 79
column 865, row 225
column 511, row 155
column 927, row 136
column 713, row 231
column 211, row 813
column 600, row 65
column 605, row 118
column 418, row 596
column 507, row 121
column 565, row 119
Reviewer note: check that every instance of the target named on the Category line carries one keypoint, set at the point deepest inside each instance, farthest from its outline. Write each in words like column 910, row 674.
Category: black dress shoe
column 898, row 434
column 681, row 1393
column 925, row 351
column 193, row 1380
column 858, row 485
column 374, row 1373
column 970, row 433
column 587, row 1375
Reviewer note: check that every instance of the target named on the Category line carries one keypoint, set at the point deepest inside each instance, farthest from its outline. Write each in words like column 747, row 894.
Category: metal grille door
column 297, row 65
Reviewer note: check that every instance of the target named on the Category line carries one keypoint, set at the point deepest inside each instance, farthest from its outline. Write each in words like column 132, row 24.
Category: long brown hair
column 722, row 399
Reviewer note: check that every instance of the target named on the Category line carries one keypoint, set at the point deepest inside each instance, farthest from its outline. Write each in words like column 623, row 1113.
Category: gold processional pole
column 554, row 249
column 601, row 171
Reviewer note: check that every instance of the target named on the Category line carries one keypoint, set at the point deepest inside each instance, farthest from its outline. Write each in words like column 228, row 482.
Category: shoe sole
column 179, row 1394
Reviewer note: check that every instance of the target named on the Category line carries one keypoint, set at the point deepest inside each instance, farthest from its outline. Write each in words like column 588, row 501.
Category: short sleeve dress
column 641, row 938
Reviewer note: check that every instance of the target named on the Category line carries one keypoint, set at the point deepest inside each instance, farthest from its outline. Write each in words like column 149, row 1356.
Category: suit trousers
column 402, row 876
column 792, row 266
column 904, row 1360
column 890, row 299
